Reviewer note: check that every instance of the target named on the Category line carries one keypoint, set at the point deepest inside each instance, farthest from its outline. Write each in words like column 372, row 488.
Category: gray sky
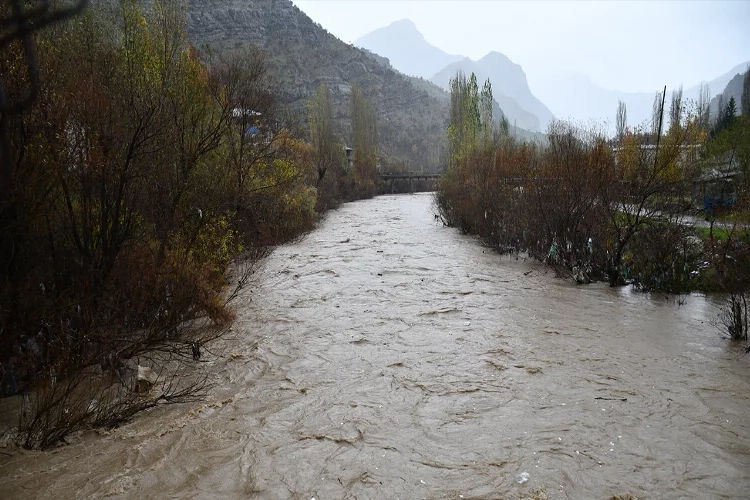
column 628, row 46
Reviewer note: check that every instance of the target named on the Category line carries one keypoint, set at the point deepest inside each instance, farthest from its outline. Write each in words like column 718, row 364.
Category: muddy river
column 386, row 356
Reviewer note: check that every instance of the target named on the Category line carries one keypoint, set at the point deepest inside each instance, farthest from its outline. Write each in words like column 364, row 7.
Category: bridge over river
column 410, row 177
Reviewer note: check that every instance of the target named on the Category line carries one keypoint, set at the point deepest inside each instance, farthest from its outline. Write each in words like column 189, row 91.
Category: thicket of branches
column 730, row 141
column 341, row 178
column 139, row 175
column 592, row 207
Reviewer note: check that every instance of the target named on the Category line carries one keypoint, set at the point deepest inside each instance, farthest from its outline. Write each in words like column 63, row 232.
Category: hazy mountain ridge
column 513, row 111
column 409, row 52
column 733, row 89
column 432, row 89
column 510, row 79
column 577, row 98
column 407, row 49
column 720, row 83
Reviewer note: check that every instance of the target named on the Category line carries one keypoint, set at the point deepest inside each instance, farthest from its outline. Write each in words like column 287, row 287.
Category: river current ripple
column 387, row 356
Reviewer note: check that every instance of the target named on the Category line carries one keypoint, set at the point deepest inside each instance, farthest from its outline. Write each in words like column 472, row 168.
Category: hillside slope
column 302, row 55
column 733, row 89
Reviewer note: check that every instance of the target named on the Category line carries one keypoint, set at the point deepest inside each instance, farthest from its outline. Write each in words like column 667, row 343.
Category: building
column 349, row 152
column 717, row 186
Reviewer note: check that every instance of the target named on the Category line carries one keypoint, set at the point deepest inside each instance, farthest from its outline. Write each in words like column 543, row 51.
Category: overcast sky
column 628, row 46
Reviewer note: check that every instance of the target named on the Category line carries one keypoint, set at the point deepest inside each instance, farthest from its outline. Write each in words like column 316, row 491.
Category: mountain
column 513, row 111
column 509, row 87
column 406, row 49
column 720, row 83
column 733, row 89
column 575, row 97
column 509, row 78
column 442, row 95
column 302, row 55
column 432, row 89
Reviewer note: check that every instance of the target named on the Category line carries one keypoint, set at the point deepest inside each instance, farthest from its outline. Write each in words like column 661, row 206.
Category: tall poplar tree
column 676, row 109
column 485, row 111
column 621, row 119
column 704, row 101
column 326, row 150
column 465, row 120
column 365, row 137
column 656, row 115
column 472, row 95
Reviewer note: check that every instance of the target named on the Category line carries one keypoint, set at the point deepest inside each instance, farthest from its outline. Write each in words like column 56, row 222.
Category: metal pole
column 661, row 119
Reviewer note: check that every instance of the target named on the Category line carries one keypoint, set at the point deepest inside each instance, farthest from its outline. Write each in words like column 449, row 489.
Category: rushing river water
column 386, row 356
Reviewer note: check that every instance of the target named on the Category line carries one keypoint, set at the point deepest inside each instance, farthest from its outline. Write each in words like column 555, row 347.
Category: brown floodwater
column 386, row 356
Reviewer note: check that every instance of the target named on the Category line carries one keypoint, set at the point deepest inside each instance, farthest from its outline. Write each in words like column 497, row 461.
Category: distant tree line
column 600, row 209
column 591, row 207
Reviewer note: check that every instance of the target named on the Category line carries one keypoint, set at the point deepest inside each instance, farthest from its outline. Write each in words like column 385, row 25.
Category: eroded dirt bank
column 385, row 356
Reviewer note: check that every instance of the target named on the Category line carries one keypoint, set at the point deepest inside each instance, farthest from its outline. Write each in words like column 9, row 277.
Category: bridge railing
column 410, row 175
column 389, row 180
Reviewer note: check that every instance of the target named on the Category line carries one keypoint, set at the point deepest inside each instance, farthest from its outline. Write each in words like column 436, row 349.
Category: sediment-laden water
column 386, row 356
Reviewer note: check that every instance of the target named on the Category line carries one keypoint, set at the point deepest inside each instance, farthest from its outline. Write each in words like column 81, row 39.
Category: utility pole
column 661, row 119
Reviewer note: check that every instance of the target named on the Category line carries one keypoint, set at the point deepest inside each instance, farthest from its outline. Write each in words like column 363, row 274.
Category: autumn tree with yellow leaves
column 576, row 201
column 142, row 175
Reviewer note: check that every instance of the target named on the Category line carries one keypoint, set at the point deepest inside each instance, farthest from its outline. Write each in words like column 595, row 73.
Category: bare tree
column 657, row 112
column 321, row 130
column 622, row 119
column 256, row 123
column 637, row 193
column 327, row 150
column 676, row 108
column 365, row 135
column 485, row 112
column 719, row 112
column 19, row 24
column 704, row 105
column 109, row 252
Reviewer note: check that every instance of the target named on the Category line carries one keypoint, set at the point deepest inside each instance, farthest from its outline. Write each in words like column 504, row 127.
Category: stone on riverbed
column 146, row 379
